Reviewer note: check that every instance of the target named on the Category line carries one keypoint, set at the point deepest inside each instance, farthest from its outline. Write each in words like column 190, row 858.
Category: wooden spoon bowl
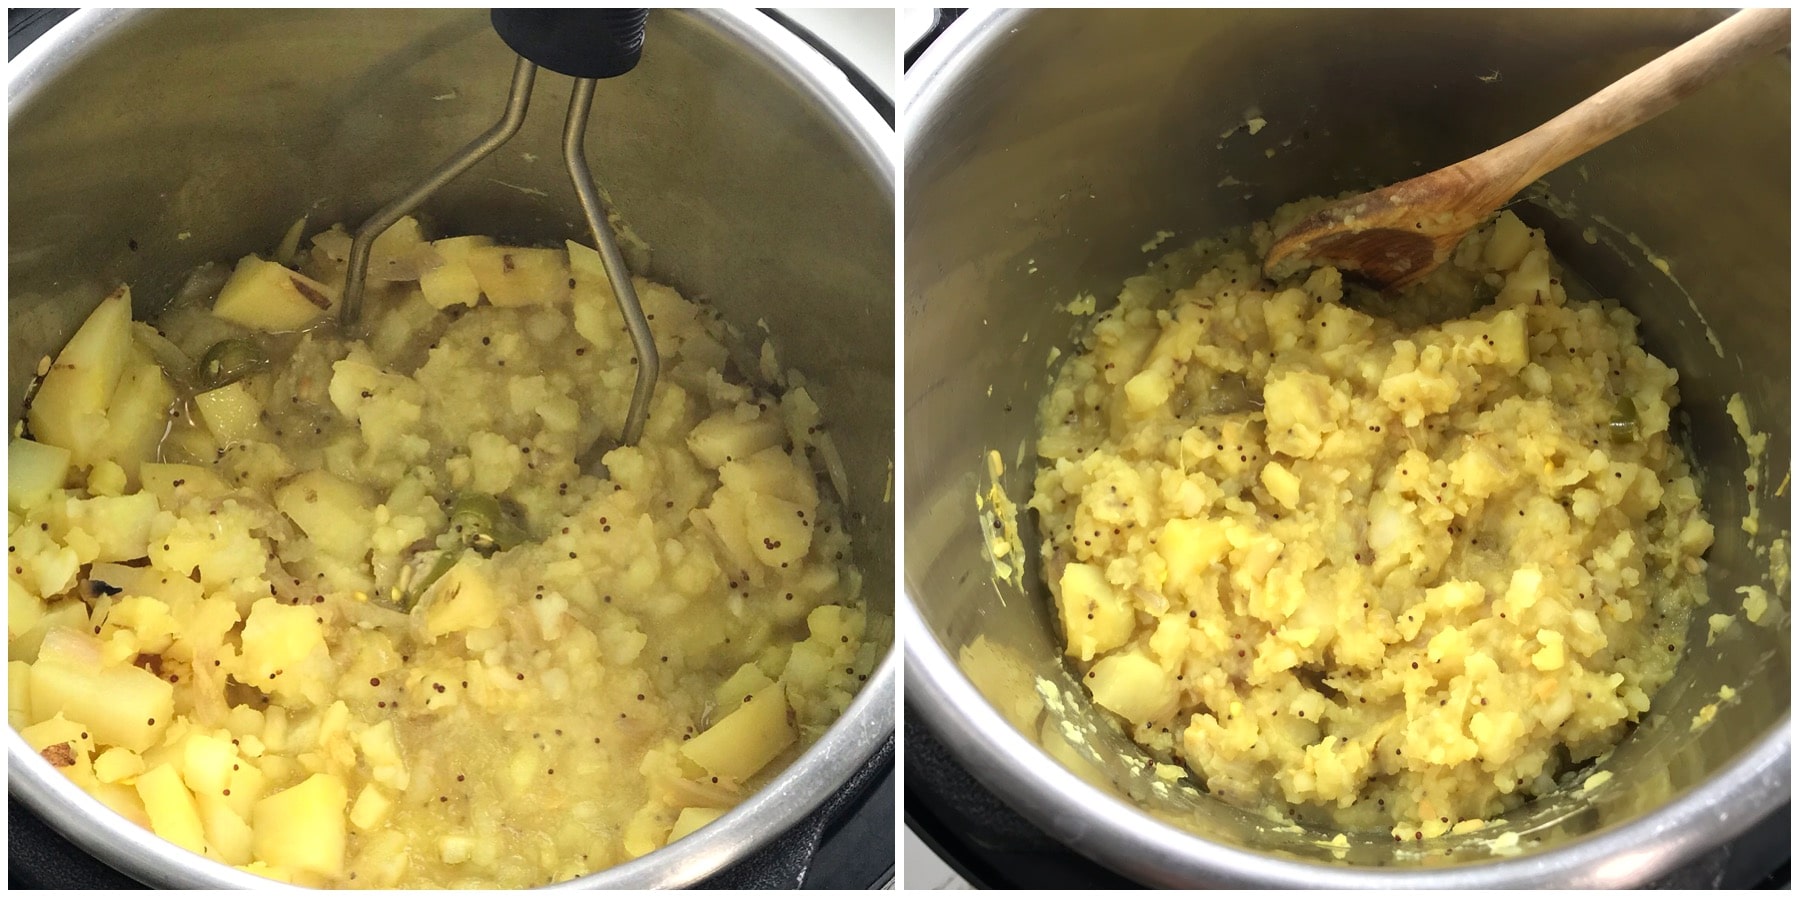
column 1397, row 235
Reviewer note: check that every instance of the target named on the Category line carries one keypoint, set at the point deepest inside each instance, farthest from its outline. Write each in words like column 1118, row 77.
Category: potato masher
column 586, row 45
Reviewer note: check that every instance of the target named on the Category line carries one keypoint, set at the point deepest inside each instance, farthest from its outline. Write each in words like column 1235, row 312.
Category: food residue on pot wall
column 999, row 523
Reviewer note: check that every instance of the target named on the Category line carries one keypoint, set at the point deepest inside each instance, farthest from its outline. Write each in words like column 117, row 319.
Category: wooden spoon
column 1397, row 235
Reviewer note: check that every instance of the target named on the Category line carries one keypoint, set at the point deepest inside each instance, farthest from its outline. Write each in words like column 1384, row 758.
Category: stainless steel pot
column 1043, row 148
column 144, row 143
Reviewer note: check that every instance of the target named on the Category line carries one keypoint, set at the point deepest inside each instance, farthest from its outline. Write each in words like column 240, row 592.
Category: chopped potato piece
column 277, row 638
column 173, row 814
column 120, row 526
column 453, row 283
column 33, row 470
column 206, row 763
column 1190, row 547
column 1094, row 618
column 117, row 764
column 69, row 410
column 24, row 609
column 18, row 693
column 268, row 296
column 332, row 511
column 520, row 276
column 371, row 808
column 231, row 413
column 747, row 680
column 462, row 600
column 167, row 480
column 693, row 819
column 138, row 416
column 1133, row 686
column 727, row 436
column 303, row 828
column 227, row 834
column 123, row 706
column 741, row 744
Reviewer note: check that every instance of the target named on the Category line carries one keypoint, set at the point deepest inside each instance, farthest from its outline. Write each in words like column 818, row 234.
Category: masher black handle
column 580, row 43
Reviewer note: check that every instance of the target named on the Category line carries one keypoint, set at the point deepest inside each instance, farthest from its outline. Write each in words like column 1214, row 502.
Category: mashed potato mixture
column 1377, row 564
column 382, row 608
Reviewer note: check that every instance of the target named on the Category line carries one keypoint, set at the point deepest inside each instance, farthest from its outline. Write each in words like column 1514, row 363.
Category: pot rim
column 796, row 792
column 1126, row 839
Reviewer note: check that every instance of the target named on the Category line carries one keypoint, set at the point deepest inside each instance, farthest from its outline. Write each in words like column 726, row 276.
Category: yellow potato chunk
column 69, row 615
column 24, row 609
column 1508, row 243
column 370, row 809
column 69, row 410
column 227, row 834
column 206, row 762
column 138, row 415
column 18, row 693
column 45, row 737
column 1191, row 546
column 520, row 276
column 1301, row 408
column 268, row 296
column 122, row 706
column 780, row 532
column 747, row 680
column 1148, row 390
column 120, row 526
column 332, row 511
column 248, row 785
column 123, row 800
column 453, row 283
column 1093, row 616
column 173, row 815
column 693, row 819
column 1133, row 686
column 741, row 744
column 303, row 828
column 117, row 764
column 231, row 413
column 166, row 480
column 1281, row 484
column 1507, row 331
column 33, row 470
column 277, row 637
column 592, row 300
column 462, row 600
column 727, row 436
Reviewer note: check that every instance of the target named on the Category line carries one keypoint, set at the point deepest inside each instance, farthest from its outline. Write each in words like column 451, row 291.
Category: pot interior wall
column 162, row 140
column 1038, row 180
column 201, row 135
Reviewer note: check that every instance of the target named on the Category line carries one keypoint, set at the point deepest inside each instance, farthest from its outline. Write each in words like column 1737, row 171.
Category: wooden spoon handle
column 1635, row 99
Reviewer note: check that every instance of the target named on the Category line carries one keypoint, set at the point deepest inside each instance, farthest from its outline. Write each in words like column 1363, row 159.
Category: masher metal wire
column 518, row 101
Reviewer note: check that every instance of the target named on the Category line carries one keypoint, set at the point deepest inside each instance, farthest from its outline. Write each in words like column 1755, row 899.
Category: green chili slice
column 228, row 361
column 445, row 562
column 1624, row 425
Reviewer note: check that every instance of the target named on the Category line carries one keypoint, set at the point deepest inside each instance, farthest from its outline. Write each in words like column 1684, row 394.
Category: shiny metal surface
column 143, row 143
column 518, row 103
column 1030, row 180
column 581, row 103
